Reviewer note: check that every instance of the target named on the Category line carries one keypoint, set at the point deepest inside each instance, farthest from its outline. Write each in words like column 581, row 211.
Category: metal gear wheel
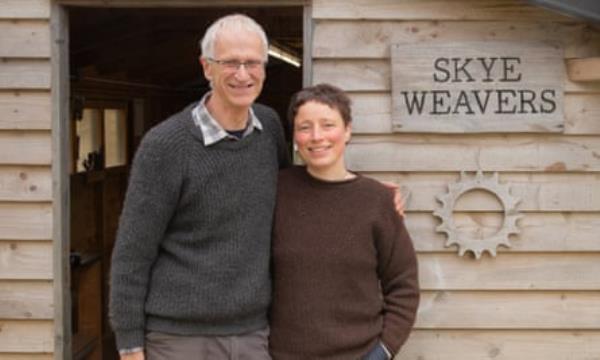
column 479, row 182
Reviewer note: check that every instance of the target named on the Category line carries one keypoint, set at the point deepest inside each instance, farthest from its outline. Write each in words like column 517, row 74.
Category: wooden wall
column 26, row 292
column 540, row 300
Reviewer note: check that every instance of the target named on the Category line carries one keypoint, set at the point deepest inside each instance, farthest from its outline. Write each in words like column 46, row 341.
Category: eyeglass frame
column 235, row 65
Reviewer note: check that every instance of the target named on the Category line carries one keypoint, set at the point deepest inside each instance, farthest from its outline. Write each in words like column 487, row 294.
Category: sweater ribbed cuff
column 129, row 339
column 130, row 351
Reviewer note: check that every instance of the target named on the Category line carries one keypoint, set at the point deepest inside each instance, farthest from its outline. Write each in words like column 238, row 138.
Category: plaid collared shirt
column 212, row 131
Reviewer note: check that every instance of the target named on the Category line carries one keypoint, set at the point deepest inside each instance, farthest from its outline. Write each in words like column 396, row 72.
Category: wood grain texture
column 548, row 232
column 61, row 155
column 369, row 75
column 27, row 356
column 27, row 337
column 24, row 39
column 510, row 272
column 508, row 310
column 471, row 153
column 25, row 260
column 584, row 69
column 25, row 74
column 501, row 345
column 582, row 114
column 24, row 9
column 432, row 9
column 503, row 86
column 372, row 113
column 538, row 192
column 25, row 183
column 20, row 110
column 26, row 300
column 25, row 221
column 366, row 39
column 25, row 147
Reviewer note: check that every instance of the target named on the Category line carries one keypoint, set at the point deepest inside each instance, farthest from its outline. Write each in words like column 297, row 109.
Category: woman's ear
column 348, row 133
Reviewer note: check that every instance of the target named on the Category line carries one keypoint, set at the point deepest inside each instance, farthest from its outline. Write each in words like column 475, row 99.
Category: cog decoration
column 479, row 182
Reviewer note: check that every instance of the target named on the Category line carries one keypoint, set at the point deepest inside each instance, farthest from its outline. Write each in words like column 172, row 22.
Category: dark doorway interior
column 129, row 70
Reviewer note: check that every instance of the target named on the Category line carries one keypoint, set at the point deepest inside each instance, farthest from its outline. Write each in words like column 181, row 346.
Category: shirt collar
column 212, row 131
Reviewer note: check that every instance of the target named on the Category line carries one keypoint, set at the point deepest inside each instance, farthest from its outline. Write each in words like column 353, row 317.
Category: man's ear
column 206, row 68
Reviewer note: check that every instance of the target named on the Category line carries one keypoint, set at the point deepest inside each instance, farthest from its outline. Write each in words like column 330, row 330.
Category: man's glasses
column 234, row 65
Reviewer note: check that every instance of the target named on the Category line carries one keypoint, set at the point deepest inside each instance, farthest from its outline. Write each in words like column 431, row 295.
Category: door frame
column 61, row 147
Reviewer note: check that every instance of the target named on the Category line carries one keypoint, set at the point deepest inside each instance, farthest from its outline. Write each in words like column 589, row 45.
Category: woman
column 344, row 268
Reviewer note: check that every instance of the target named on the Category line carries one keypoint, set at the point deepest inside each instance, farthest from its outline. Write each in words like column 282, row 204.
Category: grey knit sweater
column 193, row 245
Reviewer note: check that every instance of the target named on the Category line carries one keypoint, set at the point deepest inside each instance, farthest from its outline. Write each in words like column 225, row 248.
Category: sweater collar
column 212, row 131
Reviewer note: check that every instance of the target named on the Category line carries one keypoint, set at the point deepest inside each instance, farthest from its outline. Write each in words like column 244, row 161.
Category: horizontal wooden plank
column 24, row 74
column 549, row 232
column 25, row 260
column 538, row 192
column 26, row 300
column 510, row 272
column 26, row 356
column 501, row 345
column 508, row 310
column 20, row 110
column 25, row 221
column 24, row 9
column 24, row 38
column 25, row 147
column 31, row 336
column 375, row 75
column 432, row 9
column 25, row 183
column 373, row 39
column 372, row 113
column 551, row 153
column 584, row 69
column 582, row 114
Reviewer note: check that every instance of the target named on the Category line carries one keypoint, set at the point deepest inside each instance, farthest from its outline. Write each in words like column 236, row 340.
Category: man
column 190, row 270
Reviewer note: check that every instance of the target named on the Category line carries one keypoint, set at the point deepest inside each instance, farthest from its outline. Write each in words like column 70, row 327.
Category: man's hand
column 399, row 198
column 133, row 356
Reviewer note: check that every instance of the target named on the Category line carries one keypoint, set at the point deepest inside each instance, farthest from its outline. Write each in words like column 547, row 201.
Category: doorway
column 129, row 69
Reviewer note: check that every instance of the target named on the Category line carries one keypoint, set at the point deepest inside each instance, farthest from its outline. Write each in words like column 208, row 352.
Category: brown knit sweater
column 344, row 269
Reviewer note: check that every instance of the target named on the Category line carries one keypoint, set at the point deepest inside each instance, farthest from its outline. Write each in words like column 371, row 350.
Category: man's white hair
column 235, row 23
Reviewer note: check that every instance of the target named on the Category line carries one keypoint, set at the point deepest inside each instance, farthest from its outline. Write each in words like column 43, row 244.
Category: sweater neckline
column 222, row 144
column 327, row 183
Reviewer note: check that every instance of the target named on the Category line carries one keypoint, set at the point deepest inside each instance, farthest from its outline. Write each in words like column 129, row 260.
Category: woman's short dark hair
column 326, row 94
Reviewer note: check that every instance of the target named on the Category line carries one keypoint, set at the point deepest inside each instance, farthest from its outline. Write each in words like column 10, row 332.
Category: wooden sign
column 477, row 86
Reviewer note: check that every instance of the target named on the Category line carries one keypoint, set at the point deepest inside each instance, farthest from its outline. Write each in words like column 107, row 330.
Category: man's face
column 232, row 86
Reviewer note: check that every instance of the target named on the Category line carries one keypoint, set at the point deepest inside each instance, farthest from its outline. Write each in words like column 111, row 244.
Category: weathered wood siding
column 26, row 287
column 539, row 299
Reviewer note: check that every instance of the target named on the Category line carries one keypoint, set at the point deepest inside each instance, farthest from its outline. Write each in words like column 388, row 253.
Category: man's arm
column 151, row 199
column 400, row 198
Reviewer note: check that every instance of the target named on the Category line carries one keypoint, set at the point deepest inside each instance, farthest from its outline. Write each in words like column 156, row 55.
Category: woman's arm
column 397, row 270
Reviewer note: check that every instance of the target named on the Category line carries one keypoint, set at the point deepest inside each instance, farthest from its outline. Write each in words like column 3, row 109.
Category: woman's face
column 321, row 136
